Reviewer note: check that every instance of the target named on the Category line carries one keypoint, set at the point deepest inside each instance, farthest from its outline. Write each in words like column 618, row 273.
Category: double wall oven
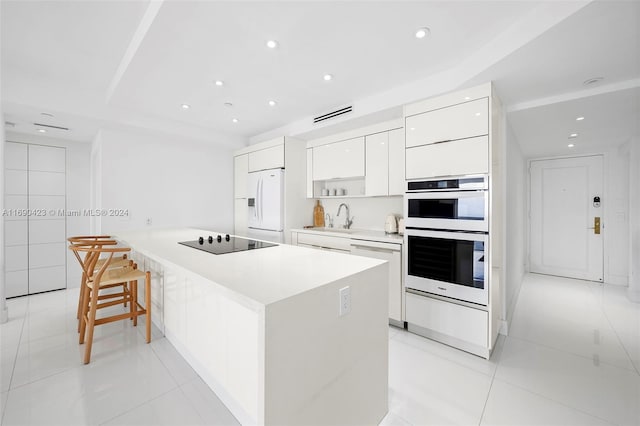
column 446, row 237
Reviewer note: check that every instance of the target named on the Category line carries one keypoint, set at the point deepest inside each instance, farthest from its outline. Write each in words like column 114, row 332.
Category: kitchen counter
column 356, row 234
column 252, row 323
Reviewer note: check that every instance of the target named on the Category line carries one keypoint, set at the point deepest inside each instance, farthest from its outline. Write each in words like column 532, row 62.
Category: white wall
column 616, row 216
column 515, row 224
column 4, row 313
column 369, row 213
column 173, row 182
column 634, row 223
column 78, row 190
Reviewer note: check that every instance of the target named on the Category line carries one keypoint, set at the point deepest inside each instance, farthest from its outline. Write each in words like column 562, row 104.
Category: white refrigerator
column 265, row 201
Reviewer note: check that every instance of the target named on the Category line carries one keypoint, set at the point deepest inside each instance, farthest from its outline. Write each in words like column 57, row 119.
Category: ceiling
column 135, row 63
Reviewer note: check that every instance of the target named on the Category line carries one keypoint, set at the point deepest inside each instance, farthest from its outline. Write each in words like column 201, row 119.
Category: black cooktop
column 225, row 244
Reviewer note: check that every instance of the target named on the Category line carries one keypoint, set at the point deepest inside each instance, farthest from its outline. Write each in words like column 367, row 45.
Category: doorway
column 566, row 207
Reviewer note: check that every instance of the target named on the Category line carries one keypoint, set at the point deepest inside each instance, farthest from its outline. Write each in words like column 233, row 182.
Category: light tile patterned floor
column 571, row 358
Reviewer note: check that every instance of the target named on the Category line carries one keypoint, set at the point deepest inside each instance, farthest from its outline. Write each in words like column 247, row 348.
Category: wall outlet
column 345, row 301
column 149, row 221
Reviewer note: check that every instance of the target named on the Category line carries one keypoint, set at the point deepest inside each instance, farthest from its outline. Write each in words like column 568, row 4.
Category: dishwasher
column 391, row 252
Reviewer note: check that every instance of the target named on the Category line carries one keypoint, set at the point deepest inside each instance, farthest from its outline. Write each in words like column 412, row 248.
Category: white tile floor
column 572, row 358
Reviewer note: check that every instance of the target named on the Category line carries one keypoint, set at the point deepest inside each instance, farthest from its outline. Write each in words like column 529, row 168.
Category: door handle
column 596, row 225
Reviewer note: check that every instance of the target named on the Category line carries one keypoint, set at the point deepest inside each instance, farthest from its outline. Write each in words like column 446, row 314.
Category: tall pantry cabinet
column 35, row 218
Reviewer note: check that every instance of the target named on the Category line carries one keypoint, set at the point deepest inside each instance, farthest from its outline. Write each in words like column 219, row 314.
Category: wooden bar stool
column 106, row 277
column 95, row 241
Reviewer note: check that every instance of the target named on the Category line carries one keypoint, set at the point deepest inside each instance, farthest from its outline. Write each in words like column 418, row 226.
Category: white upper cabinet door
column 461, row 157
column 460, row 121
column 376, row 180
column 240, row 171
column 309, row 173
column 396, row 162
column 47, row 158
column 15, row 156
column 268, row 158
column 343, row 159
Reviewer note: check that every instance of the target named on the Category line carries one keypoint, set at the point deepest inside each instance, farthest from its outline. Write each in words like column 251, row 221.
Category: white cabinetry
column 240, row 209
column 389, row 251
column 339, row 160
column 455, row 134
column 448, row 140
column 267, row 158
column 35, row 198
column 385, row 173
column 240, row 170
column 460, row 157
column 456, row 325
column 396, row 162
column 393, row 254
column 460, row 121
column 377, row 164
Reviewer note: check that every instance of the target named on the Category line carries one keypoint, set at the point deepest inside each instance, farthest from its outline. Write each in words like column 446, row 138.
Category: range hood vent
column 50, row 126
column 333, row 114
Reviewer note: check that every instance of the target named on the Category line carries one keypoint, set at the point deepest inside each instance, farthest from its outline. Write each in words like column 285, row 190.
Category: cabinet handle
column 444, row 141
column 384, row 250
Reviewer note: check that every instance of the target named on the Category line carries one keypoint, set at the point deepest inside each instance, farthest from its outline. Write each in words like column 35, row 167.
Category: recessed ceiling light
column 219, row 83
column 423, row 32
column 593, row 80
column 477, row 114
column 272, row 44
column 571, row 145
column 579, row 118
column 235, row 120
column 272, row 103
column 573, row 135
column 466, row 98
column 42, row 130
column 328, row 77
column 228, row 104
column 413, row 128
column 185, row 106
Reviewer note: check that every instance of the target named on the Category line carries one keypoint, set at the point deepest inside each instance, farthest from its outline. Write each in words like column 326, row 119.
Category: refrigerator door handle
column 261, row 201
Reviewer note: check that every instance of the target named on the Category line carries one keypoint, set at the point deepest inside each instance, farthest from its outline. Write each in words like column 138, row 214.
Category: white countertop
column 356, row 234
column 265, row 275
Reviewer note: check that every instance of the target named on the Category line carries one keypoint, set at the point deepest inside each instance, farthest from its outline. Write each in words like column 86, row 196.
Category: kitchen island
column 263, row 327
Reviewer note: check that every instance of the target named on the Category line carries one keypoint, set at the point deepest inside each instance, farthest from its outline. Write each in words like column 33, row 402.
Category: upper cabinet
column 465, row 120
column 240, row 170
column 339, row 160
column 377, row 160
column 450, row 135
column 267, row 158
column 396, row 162
column 364, row 162
column 385, row 163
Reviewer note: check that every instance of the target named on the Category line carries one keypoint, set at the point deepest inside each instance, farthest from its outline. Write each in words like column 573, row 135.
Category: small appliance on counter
column 391, row 224
column 401, row 226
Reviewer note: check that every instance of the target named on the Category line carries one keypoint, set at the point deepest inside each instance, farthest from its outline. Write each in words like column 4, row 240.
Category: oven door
column 456, row 210
column 450, row 264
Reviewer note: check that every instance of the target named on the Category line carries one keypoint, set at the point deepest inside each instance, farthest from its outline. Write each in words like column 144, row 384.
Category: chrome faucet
column 329, row 220
column 348, row 221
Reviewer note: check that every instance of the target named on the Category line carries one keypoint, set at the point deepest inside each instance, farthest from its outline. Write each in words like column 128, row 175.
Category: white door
column 566, row 217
